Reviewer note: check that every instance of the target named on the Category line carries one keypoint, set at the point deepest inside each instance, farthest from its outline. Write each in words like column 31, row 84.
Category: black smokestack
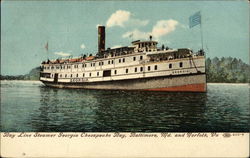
column 101, row 38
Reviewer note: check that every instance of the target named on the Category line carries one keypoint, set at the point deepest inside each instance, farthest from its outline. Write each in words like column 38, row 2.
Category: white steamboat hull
column 180, row 83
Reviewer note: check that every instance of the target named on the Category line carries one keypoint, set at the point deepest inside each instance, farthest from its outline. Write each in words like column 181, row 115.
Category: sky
column 70, row 28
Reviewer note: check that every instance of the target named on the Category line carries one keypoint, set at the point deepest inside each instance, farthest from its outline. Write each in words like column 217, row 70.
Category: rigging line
column 194, row 63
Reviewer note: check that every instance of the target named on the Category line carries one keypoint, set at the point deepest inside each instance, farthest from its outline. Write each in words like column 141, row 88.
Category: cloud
column 124, row 18
column 118, row 18
column 62, row 54
column 161, row 28
column 82, row 46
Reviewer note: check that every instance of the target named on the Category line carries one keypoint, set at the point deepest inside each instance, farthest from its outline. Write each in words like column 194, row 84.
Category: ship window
column 119, row 60
column 90, row 74
column 97, row 73
column 170, row 66
column 136, row 69
column 148, row 68
column 126, row 70
column 76, row 75
column 83, row 75
column 181, row 64
column 134, row 58
column 123, row 60
column 155, row 67
column 141, row 68
column 115, row 72
column 141, row 57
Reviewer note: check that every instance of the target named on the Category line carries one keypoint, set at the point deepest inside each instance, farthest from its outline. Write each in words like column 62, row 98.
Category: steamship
column 141, row 66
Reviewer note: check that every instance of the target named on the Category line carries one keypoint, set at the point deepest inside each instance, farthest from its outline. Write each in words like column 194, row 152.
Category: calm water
column 30, row 106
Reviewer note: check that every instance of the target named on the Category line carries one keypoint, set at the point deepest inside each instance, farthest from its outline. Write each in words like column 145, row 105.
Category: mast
column 201, row 31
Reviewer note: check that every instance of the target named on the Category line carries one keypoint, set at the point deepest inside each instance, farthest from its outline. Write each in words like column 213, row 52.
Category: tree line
column 227, row 70
column 32, row 75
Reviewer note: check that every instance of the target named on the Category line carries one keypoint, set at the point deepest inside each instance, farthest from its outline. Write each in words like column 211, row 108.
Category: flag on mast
column 195, row 19
column 47, row 46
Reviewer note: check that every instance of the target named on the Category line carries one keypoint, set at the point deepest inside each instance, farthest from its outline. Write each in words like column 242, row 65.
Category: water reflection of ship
column 133, row 111
column 112, row 111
